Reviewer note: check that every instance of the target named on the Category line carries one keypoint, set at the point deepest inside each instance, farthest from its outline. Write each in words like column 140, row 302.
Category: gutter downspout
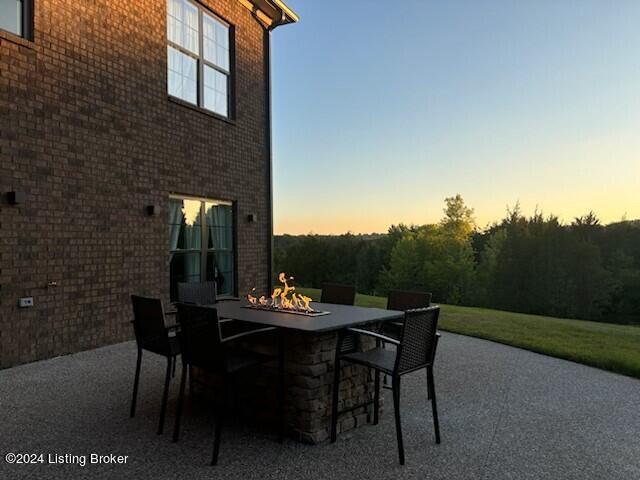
column 269, row 150
column 268, row 143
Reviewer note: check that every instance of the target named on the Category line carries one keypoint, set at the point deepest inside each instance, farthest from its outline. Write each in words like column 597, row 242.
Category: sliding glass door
column 201, row 236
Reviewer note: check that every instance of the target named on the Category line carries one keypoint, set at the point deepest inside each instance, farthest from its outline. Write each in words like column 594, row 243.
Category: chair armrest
column 173, row 327
column 369, row 333
column 435, row 346
column 246, row 334
column 171, row 312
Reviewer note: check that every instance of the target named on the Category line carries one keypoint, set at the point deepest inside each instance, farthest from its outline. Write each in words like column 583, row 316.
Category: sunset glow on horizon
column 376, row 123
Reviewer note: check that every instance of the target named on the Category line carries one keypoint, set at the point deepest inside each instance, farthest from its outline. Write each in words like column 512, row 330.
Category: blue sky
column 382, row 109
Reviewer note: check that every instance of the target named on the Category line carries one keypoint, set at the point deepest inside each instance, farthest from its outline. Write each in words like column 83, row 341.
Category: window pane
column 11, row 16
column 182, row 77
column 219, row 220
column 183, row 267
column 182, row 24
column 215, row 91
column 216, row 41
column 184, row 224
column 220, row 269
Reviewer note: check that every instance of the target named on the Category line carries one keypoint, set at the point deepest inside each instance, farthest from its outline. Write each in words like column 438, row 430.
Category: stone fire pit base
column 309, row 367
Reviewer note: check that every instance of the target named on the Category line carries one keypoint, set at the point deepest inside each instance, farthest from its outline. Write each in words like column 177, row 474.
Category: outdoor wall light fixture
column 252, row 218
column 152, row 210
column 15, row 198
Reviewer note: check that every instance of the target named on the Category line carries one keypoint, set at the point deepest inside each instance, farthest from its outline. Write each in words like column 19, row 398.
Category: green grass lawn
column 603, row 345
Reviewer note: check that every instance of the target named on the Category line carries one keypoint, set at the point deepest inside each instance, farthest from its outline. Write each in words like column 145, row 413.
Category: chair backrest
column 148, row 320
column 199, row 293
column 200, row 338
column 339, row 294
column 406, row 300
column 418, row 339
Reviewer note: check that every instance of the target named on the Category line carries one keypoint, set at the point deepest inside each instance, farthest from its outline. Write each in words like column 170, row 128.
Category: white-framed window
column 16, row 17
column 198, row 56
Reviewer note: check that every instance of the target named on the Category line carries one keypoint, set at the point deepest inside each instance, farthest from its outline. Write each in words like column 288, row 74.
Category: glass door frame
column 204, row 232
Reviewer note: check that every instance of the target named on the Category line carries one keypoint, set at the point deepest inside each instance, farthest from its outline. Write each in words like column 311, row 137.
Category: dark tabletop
column 340, row 316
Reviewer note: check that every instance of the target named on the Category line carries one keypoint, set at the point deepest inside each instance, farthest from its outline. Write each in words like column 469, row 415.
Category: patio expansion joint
column 504, row 406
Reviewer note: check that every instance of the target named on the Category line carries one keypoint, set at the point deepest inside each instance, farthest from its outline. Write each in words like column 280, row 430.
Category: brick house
column 135, row 152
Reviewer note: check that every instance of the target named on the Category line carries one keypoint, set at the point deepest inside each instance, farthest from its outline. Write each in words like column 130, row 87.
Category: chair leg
column 396, row 409
column 334, row 405
column 429, row 391
column 219, row 419
column 376, row 398
column 434, row 406
column 136, row 381
column 173, row 371
column 176, row 425
column 165, row 395
column 384, row 377
column 281, row 388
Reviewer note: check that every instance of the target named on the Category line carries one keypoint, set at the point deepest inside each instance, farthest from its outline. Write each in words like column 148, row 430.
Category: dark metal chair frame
column 415, row 350
column 204, row 346
column 153, row 335
column 338, row 294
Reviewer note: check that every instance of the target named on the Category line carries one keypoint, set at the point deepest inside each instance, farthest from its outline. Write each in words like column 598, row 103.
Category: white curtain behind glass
column 219, row 220
column 218, row 224
column 175, row 223
column 191, row 212
column 184, row 234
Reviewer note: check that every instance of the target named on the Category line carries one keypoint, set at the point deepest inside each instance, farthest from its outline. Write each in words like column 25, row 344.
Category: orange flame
column 282, row 298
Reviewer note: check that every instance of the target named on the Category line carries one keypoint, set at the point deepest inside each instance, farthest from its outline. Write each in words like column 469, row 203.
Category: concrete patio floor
column 505, row 413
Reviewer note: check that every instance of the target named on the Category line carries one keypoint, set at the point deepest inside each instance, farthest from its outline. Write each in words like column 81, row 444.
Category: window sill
column 17, row 39
column 198, row 109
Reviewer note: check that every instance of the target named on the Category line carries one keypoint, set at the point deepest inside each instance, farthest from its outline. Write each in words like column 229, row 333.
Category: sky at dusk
column 382, row 109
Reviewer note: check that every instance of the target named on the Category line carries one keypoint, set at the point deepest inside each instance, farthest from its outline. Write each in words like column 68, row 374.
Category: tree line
column 530, row 264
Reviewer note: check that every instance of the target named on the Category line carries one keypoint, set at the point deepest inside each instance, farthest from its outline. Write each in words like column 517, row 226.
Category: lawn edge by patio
column 606, row 346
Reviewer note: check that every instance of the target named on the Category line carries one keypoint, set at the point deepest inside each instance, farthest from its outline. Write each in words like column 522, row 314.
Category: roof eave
column 271, row 13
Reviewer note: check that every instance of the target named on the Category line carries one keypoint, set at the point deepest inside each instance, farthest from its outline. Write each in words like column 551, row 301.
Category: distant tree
column 369, row 264
column 546, row 268
column 435, row 258
column 458, row 217
column 530, row 264
column 485, row 276
column 588, row 220
column 405, row 267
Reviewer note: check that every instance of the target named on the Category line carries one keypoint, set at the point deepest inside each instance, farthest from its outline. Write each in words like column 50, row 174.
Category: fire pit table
column 309, row 350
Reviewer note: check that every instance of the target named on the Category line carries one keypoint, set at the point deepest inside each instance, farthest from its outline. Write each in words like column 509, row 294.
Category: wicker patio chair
column 152, row 335
column 403, row 300
column 339, row 294
column 198, row 293
column 203, row 346
column 415, row 350
column 342, row 295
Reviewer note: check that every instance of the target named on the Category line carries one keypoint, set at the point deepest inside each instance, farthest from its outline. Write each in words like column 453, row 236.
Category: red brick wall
column 88, row 134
